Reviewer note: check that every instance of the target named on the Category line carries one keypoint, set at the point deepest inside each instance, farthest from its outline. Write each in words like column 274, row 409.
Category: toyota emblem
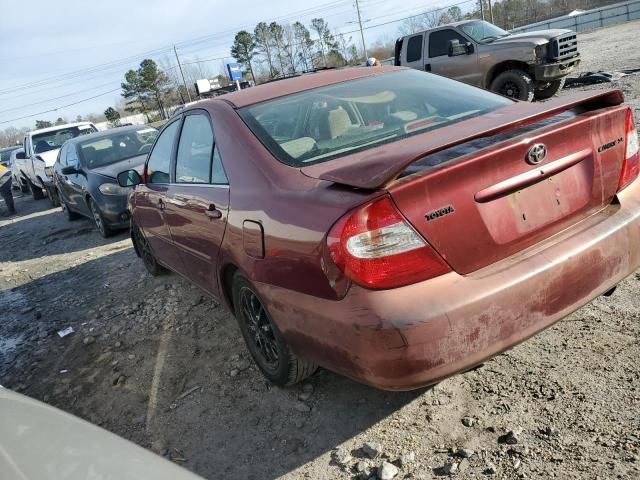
column 536, row 153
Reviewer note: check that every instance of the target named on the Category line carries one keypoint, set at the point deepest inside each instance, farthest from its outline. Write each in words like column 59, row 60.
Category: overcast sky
column 54, row 53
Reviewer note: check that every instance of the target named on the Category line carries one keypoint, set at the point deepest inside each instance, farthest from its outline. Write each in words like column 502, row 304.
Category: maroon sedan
column 391, row 225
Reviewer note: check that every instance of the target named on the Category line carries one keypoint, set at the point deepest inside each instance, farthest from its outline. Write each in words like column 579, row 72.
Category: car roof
column 288, row 86
column 58, row 127
column 109, row 132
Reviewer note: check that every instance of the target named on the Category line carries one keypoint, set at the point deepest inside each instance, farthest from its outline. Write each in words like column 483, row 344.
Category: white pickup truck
column 41, row 149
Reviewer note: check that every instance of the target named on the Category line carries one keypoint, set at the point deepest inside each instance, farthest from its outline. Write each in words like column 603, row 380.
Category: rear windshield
column 334, row 121
column 117, row 146
column 43, row 142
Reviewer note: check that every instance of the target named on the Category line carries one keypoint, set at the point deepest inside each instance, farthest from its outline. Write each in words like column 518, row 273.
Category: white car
column 41, row 149
column 39, row 442
column 18, row 181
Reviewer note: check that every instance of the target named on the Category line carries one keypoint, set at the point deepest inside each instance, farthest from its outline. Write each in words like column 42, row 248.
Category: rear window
column 334, row 121
column 116, row 146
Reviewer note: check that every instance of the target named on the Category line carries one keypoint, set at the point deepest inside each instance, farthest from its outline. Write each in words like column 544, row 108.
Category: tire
column 514, row 84
column 36, row 192
column 143, row 249
column 99, row 221
column 24, row 187
column 69, row 214
column 549, row 89
column 264, row 341
column 52, row 193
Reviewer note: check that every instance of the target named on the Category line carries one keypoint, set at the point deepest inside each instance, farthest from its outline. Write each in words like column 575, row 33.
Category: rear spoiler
column 376, row 167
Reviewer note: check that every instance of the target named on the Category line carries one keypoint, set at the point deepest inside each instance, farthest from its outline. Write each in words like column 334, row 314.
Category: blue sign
column 235, row 72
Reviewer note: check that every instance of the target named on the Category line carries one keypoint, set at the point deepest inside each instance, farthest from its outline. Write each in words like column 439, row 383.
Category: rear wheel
column 514, row 84
column 264, row 341
column 52, row 193
column 36, row 192
column 547, row 90
column 144, row 250
column 99, row 220
column 24, row 186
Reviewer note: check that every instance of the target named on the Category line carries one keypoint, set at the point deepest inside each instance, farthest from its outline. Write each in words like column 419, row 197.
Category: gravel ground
column 154, row 360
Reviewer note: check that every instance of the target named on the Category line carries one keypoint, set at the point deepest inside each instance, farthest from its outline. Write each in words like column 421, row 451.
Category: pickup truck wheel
column 264, row 341
column 36, row 192
column 99, row 220
column 544, row 91
column 24, row 187
column 514, row 84
column 144, row 250
column 52, row 193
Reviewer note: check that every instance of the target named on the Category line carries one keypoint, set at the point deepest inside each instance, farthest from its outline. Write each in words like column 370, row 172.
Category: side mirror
column 71, row 170
column 456, row 48
column 21, row 156
column 129, row 178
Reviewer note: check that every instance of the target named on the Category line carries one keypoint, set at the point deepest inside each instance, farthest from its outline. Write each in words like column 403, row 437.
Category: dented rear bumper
column 419, row 334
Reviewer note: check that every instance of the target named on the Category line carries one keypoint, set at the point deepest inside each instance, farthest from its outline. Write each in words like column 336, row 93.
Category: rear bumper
column 554, row 71
column 419, row 334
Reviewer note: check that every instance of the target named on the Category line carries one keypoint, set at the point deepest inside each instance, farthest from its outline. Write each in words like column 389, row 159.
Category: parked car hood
column 39, row 442
column 112, row 170
column 535, row 37
column 49, row 157
column 376, row 167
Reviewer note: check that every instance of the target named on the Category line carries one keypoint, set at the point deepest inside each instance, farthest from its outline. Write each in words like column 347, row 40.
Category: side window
column 160, row 157
column 62, row 155
column 439, row 42
column 194, row 150
column 72, row 156
column 218, row 177
column 414, row 48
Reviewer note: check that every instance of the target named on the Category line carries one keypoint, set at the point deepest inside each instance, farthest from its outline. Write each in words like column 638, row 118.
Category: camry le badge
column 536, row 154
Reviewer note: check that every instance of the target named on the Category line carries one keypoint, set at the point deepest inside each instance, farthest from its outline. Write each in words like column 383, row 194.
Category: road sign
column 235, row 72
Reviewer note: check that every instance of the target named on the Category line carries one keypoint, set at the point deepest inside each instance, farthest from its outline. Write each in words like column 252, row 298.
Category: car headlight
column 48, row 171
column 113, row 189
column 541, row 51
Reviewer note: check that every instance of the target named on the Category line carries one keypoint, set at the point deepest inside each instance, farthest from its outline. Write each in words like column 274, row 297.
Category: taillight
column 377, row 248
column 631, row 164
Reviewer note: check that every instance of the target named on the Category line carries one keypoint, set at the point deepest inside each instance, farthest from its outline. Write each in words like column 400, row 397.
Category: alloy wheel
column 259, row 328
column 96, row 217
column 510, row 89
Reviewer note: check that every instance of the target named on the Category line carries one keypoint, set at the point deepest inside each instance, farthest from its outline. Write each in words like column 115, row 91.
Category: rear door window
column 195, row 149
column 414, row 48
column 439, row 41
column 159, row 162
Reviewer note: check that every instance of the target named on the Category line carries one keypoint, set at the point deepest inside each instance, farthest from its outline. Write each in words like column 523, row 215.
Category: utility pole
column 482, row 9
column 364, row 47
column 181, row 73
column 490, row 11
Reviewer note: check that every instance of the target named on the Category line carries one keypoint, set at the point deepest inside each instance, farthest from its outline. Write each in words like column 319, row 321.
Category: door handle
column 212, row 212
column 161, row 204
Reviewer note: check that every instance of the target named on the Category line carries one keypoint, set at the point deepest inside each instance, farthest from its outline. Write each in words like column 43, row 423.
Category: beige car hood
column 39, row 442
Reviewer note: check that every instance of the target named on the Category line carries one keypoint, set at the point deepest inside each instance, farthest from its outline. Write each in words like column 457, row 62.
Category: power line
column 56, row 98
column 60, row 107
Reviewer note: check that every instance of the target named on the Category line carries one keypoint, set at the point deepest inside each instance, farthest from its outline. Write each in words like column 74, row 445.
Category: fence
column 590, row 19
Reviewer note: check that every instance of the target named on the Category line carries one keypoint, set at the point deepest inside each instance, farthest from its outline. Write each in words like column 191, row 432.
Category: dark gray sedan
column 85, row 174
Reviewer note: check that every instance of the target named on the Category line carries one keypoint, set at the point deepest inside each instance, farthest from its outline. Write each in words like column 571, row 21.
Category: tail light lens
column 631, row 164
column 377, row 248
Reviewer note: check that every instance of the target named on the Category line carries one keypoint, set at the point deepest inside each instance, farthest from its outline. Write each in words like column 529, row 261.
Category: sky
column 53, row 54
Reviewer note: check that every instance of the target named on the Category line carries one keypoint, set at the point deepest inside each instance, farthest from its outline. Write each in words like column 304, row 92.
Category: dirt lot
column 155, row 361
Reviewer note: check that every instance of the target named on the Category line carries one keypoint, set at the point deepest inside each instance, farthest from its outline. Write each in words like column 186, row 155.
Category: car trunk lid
column 489, row 204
